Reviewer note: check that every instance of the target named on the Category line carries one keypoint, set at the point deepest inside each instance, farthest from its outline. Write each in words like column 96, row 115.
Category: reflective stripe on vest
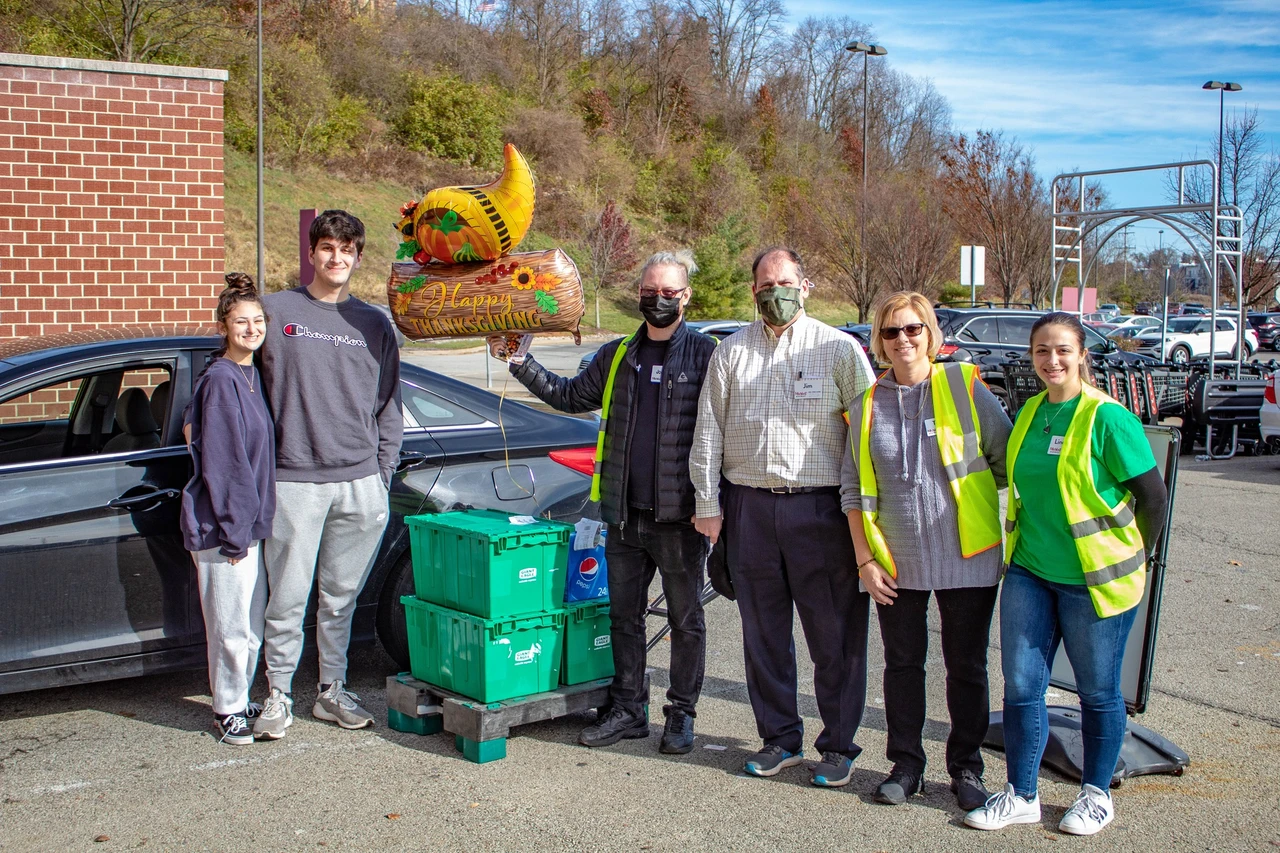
column 605, row 404
column 1107, row 540
column 959, row 440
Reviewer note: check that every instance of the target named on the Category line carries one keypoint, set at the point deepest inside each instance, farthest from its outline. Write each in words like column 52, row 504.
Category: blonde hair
column 896, row 302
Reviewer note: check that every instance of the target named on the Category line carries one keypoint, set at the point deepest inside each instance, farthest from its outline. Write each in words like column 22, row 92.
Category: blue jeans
column 1035, row 616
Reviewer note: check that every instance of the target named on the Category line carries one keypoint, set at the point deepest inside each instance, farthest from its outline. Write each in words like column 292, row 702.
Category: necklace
column 248, row 377
column 920, row 408
column 1048, row 421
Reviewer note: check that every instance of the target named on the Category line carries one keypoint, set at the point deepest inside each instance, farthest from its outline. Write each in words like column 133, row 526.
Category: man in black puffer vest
column 647, row 386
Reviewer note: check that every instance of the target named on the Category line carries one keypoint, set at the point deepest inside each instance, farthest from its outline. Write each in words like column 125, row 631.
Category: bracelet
column 866, row 563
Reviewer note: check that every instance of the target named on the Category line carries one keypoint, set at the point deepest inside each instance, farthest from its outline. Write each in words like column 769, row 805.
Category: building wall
column 111, row 204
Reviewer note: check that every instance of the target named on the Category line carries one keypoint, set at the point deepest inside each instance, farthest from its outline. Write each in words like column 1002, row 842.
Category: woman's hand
column 879, row 583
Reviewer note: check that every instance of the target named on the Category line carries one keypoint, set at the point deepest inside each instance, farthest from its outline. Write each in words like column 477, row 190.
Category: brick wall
column 110, row 194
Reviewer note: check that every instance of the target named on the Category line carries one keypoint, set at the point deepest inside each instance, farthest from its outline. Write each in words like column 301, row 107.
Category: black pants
column 966, row 629
column 633, row 553
column 786, row 550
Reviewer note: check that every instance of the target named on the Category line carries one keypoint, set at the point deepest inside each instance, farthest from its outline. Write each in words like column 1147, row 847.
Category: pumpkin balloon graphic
column 465, row 224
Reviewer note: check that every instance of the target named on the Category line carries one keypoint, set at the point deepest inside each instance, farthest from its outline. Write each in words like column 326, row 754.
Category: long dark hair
column 1072, row 323
column 240, row 288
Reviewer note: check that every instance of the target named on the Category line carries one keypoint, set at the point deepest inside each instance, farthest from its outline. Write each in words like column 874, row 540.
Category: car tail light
column 580, row 459
column 948, row 349
column 1270, row 393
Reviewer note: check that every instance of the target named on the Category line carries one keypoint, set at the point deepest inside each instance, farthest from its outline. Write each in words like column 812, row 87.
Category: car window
column 421, row 408
column 1203, row 326
column 106, row 411
column 1016, row 330
column 1225, row 326
column 981, row 329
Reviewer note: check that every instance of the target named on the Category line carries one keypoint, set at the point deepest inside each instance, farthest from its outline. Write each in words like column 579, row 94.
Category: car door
column 92, row 565
column 1015, row 335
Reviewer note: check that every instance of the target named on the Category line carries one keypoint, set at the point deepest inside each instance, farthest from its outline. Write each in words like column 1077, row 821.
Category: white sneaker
column 276, row 716
column 1004, row 808
column 339, row 705
column 1091, row 811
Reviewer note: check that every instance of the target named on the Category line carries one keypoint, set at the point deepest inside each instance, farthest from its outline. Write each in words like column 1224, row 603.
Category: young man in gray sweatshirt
column 331, row 371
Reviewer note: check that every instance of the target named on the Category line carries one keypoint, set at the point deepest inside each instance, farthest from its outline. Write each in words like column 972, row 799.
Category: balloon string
column 506, row 451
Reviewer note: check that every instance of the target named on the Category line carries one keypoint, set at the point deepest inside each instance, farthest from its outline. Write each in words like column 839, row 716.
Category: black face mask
column 659, row 311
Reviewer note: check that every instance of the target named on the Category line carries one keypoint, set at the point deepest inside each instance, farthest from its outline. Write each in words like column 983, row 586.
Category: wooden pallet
column 480, row 729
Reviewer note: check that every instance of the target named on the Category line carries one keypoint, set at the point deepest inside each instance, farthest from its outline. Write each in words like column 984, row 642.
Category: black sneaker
column 900, row 784
column 677, row 737
column 970, row 792
column 771, row 761
column 234, row 729
column 834, row 771
column 616, row 725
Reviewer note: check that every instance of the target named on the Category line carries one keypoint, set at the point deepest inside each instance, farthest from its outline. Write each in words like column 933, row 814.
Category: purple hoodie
column 231, row 499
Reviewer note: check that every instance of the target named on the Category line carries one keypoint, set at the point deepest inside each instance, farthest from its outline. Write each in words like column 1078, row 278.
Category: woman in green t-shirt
column 1086, row 505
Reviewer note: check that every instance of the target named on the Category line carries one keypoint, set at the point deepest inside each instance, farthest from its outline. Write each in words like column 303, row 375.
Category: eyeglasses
column 913, row 330
column 666, row 292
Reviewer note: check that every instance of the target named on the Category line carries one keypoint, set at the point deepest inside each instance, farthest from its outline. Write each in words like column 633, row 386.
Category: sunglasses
column 913, row 330
column 666, row 292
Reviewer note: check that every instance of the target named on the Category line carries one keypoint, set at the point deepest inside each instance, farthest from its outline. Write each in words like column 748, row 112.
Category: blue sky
column 1087, row 84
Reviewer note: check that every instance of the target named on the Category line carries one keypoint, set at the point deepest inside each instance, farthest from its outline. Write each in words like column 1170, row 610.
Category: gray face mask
column 778, row 305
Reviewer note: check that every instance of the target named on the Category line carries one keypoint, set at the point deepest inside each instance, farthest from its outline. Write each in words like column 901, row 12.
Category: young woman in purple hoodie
column 228, row 506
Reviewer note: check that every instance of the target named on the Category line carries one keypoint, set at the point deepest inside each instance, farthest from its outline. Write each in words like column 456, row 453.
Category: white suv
column 1189, row 337
column 1269, row 416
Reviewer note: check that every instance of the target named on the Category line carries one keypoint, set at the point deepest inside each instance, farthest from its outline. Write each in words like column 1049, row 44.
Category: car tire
column 1181, row 354
column 393, row 633
column 1003, row 396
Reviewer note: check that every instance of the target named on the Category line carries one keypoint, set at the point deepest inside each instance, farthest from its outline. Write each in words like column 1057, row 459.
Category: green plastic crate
column 588, row 645
column 478, row 562
column 488, row 660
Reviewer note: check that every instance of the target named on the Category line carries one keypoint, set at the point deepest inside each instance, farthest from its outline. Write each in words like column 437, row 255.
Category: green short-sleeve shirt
column 1120, row 452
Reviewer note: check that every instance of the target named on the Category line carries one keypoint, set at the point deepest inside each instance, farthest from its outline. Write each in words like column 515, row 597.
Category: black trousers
column 634, row 553
column 966, row 630
column 788, row 551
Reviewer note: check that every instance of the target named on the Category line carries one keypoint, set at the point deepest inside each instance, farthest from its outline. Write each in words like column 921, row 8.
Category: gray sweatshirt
column 917, row 510
column 332, row 376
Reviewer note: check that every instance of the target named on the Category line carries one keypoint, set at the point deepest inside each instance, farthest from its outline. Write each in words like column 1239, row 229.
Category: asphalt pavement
column 135, row 763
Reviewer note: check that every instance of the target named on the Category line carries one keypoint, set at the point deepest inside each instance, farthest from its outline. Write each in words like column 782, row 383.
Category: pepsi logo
column 589, row 568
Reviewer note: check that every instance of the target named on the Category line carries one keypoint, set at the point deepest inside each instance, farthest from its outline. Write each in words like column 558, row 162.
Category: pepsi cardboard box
column 588, row 575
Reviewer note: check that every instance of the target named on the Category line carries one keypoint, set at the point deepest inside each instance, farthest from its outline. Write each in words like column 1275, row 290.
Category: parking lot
column 134, row 762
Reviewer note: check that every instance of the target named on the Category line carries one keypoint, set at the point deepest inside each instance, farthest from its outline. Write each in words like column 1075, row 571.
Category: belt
column 802, row 490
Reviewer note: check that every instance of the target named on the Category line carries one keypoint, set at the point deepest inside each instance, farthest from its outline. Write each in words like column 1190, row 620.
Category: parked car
column 1137, row 321
column 1190, row 337
column 1190, row 308
column 94, row 581
column 1269, row 414
column 1266, row 326
column 1110, row 309
column 1096, row 318
column 989, row 337
column 718, row 329
column 860, row 332
column 1145, row 308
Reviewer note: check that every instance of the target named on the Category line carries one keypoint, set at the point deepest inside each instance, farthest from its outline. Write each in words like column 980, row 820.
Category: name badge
column 656, row 374
column 1055, row 445
column 808, row 389
column 930, row 427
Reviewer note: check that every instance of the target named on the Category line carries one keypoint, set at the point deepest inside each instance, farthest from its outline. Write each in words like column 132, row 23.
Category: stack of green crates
column 488, row 617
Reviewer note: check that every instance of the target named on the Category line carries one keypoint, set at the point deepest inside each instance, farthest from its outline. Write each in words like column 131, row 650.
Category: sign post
column 973, row 270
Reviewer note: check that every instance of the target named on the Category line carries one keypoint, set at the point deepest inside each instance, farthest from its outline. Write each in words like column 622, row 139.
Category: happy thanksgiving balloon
column 457, row 225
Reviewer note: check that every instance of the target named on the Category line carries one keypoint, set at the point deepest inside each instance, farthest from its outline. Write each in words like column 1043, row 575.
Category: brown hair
column 240, row 288
column 791, row 255
column 896, row 302
column 1072, row 323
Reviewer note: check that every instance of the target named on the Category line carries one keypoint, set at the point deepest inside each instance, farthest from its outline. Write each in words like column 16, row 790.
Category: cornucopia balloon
column 465, row 224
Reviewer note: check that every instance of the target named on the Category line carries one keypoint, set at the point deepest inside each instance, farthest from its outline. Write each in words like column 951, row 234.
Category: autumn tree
column 609, row 244
column 998, row 201
column 910, row 243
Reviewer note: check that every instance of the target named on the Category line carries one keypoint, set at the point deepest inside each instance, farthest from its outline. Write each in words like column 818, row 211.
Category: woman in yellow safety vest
column 919, row 483
column 1086, row 504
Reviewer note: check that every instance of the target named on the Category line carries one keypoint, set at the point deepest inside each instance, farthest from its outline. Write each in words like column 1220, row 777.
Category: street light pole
column 867, row 50
column 1222, row 89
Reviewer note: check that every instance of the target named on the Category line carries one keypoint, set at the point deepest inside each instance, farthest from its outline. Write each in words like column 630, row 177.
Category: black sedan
column 94, row 581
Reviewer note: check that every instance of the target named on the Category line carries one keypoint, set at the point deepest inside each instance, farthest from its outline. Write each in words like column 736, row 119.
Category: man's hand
column 510, row 346
column 709, row 527
column 879, row 583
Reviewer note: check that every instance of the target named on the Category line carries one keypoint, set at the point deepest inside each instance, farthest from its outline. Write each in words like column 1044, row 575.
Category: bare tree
column 742, row 34
column 829, row 73
column 835, row 239
column 554, row 31
column 140, row 30
column 610, row 247
column 998, row 201
column 910, row 242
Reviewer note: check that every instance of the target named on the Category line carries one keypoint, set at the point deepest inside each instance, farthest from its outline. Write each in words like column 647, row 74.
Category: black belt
column 801, row 490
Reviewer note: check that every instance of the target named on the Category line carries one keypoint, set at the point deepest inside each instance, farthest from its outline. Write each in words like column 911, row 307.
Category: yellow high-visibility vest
column 606, row 403
column 1107, row 539
column 959, row 438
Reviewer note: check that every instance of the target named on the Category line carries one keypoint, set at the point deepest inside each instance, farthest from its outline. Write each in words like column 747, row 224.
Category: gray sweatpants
column 327, row 532
column 233, row 599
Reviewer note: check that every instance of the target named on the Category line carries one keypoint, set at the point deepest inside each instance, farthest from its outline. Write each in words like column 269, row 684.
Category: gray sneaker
column 339, row 705
column 276, row 716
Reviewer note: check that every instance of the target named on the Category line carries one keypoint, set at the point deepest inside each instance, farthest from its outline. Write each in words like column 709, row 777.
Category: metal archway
column 1073, row 225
